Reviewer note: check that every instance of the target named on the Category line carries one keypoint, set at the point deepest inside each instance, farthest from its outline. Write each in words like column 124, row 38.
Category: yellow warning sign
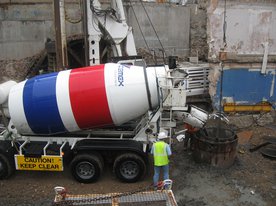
column 43, row 163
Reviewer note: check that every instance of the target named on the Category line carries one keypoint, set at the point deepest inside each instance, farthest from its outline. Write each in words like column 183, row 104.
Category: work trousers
column 156, row 175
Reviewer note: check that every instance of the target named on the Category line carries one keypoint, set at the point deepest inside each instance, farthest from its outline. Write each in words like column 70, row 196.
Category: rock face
column 198, row 30
column 13, row 69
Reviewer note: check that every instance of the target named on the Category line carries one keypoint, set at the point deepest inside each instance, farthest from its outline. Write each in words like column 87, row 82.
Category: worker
column 161, row 152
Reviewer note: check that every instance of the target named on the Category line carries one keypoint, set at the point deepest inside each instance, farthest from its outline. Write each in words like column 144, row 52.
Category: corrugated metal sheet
column 245, row 86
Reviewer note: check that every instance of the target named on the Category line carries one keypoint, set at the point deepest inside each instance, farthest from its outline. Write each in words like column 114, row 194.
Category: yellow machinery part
column 233, row 107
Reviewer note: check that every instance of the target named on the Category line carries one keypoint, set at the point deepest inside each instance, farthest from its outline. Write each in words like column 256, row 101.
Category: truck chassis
column 87, row 154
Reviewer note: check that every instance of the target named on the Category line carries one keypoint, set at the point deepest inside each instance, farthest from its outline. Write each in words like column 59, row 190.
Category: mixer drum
column 89, row 97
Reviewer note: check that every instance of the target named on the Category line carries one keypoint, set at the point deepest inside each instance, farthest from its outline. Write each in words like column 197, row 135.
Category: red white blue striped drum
column 83, row 98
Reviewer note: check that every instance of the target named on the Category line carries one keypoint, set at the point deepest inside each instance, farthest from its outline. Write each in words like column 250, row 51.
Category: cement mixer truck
column 91, row 117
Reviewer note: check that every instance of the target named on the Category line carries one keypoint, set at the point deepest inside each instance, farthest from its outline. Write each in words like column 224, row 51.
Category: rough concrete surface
column 249, row 24
column 198, row 28
column 14, row 69
column 250, row 181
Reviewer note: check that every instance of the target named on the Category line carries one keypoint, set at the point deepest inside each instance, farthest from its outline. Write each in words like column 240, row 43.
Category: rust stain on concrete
column 213, row 5
column 265, row 17
column 213, row 77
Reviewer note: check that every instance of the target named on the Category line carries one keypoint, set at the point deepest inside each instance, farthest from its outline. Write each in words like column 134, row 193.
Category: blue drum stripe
column 40, row 105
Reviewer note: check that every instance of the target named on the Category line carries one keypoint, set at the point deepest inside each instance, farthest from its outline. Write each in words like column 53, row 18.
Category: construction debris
column 244, row 136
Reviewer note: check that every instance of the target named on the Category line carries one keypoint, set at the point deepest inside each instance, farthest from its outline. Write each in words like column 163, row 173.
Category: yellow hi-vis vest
column 160, row 154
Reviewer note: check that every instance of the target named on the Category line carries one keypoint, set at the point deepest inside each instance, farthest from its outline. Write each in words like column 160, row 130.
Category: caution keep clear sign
column 43, row 163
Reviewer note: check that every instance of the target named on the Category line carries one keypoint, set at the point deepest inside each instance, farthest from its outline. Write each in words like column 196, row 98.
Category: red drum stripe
column 88, row 97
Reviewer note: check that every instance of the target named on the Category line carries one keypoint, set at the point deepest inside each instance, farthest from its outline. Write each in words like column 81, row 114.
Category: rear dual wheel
column 129, row 167
column 87, row 168
column 6, row 167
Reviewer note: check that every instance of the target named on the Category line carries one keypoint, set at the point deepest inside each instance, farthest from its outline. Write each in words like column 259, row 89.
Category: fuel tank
column 89, row 97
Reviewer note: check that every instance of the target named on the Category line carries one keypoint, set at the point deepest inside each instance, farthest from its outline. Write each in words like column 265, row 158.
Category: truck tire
column 6, row 167
column 129, row 167
column 86, row 168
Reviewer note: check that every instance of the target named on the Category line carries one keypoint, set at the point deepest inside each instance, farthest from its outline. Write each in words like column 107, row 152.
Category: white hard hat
column 162, row 135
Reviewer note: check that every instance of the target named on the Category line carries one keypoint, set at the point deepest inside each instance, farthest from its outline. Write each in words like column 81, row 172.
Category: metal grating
column 198, row 82
column 158, row 198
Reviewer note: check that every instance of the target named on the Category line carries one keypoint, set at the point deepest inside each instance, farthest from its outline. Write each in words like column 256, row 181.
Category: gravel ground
column 250, row 181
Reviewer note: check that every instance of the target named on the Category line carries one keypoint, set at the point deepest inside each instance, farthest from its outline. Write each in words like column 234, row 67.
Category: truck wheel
column 129, row 167
column 86, row 168
column 6, row 167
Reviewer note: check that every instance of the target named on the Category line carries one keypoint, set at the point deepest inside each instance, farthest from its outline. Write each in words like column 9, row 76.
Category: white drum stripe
column 17, row 112
column 126, row 92
column 108, row 80
column 63, row 101
column 152, row 74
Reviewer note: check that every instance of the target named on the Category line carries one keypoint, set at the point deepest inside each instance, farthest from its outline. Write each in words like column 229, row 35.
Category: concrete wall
column 172, row 25
column 198, row 26
column 250, row 24
column 247, row 78
column 25, row 26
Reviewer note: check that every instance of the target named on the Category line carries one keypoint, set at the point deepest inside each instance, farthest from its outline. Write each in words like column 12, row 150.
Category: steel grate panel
column 158, row 198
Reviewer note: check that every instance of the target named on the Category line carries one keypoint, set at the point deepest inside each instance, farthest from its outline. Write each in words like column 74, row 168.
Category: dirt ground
column 250, row 181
